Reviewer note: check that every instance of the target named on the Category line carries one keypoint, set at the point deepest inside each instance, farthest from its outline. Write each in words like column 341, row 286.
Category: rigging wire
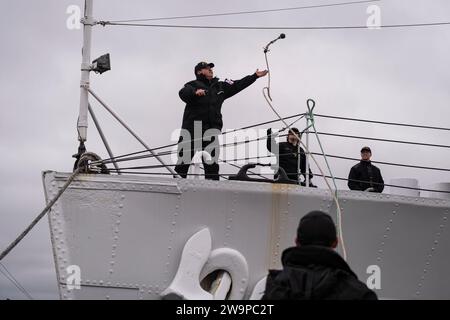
column 167, row 153
column 157, row 166
column 248, row 12
column 382, row 122
column 8, row 275
column 388, row 163
column 348, row 158
column 393, row 185
column 226, row 145
column 318, row 175
column 388, row 26
column 43, row 212
column 301, row 115
column 385, row 140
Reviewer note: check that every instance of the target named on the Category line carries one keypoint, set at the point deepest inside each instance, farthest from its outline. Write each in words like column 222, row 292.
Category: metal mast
column 88, row 22
column 86, row 68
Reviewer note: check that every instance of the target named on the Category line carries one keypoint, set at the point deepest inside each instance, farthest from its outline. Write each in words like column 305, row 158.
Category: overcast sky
column 399, row 75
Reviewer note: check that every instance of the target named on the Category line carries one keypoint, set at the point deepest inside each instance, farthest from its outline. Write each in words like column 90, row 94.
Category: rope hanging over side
column 39, row 217
column 339, row 213
column 268, row 99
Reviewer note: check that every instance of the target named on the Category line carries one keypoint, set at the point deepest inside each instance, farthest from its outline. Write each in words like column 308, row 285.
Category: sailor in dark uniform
column 288, row 154
column 364, row 176
column 204, row 97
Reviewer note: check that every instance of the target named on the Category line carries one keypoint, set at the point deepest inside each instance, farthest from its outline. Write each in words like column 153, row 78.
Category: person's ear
column 335, row 244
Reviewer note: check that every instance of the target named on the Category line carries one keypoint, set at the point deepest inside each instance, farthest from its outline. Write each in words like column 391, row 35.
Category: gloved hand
column 269, row 131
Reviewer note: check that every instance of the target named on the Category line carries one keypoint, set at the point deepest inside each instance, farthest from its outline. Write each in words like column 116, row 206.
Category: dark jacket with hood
column 315, row 273
column 207, row 109
column 366, row 176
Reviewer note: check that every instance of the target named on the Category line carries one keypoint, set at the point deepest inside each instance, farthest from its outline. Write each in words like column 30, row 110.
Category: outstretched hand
column 261, row 73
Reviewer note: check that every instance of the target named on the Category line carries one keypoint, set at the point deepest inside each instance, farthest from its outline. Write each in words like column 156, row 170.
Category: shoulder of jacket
column 191, row 83
column 228, row 81
column 277, row 276
column 359, row 288
column 274, row 272
column 356, row 166
column 375, row 167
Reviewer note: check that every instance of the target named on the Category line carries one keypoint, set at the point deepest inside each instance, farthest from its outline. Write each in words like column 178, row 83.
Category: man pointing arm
column 204, row 97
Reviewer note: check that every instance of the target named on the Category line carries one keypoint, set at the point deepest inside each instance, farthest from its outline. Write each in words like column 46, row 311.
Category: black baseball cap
column 294, row 130
column 316, row 228
column 366, row 148
column 203, row 65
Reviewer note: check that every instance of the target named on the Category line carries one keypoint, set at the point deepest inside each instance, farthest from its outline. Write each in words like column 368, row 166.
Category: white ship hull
column 127, row 233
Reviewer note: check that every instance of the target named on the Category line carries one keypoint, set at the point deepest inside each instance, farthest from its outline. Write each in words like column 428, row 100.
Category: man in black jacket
column 202, row 118
column 364, row 176
column 288, row 155
column 312, row 270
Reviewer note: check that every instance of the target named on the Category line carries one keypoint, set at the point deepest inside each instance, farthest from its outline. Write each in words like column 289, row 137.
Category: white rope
column 333, row 193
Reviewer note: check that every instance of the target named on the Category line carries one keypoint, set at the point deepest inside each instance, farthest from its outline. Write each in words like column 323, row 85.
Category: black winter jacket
column 368, row 175
column 315, row 273
column 207, row 109
column 288, row 158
